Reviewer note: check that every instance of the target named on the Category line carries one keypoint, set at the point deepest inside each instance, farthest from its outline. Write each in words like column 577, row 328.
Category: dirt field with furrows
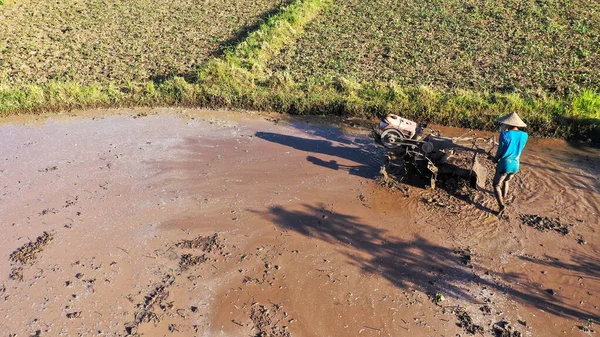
column 89, row 41
column 496, row 46
column 171, row 222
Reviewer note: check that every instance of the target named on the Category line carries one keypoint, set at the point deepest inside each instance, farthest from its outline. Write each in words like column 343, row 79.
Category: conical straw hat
column 512, row 119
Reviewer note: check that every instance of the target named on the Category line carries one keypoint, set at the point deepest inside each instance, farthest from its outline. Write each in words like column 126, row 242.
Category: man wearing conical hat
column 510, row 145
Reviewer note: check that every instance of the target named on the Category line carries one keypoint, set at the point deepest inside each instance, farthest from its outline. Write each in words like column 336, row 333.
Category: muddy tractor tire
column 392, row 138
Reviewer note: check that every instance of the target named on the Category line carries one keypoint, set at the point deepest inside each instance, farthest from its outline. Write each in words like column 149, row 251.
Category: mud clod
column 48, row 169
column 207, row 244
column 16, row 274
column 465, row 256
column 466, row 322
column 392, row 175
column 27, row 253
column 486, row 309
column 76, row 314
column 544, row 224
column 146, row 317
column 586, row 328
column 189, row 260
column 131, row 330
column 156, row 299
column 263, row 320
column 504, row 329
column 458, row 186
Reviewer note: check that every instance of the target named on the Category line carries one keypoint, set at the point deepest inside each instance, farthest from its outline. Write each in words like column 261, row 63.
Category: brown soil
column 200, row 223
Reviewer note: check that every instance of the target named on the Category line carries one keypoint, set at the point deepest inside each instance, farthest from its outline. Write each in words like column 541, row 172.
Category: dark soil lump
column 29, row 251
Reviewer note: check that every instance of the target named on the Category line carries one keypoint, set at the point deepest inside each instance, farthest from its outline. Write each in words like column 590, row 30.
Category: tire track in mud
column 530, row 189
column 571, row 192
column 256, row 293
column 155, row 305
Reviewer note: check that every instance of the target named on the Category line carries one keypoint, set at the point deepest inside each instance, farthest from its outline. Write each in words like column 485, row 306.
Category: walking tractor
column 430, row 152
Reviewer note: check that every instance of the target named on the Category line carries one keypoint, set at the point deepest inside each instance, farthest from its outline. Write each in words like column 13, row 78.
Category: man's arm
column 501, row 148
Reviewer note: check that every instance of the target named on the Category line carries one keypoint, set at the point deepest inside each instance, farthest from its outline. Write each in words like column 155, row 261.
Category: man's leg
column 505, row 185
column 498, row 190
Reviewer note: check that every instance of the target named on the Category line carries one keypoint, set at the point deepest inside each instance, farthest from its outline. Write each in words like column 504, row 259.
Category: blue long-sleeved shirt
column 510, row 146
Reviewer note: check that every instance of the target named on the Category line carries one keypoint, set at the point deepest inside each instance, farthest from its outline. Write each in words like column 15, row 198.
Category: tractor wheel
column 391, row 138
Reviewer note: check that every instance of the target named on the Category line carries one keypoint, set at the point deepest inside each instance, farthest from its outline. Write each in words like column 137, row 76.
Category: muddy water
column 311, row 245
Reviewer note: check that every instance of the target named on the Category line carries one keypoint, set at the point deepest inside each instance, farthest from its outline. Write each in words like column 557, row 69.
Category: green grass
column 449, row 62
column 103, row 41
column 520, row 46
column 546, row 115
column 225, row 81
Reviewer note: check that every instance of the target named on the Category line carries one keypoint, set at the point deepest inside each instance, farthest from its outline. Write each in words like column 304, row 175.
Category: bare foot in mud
column 501, row 211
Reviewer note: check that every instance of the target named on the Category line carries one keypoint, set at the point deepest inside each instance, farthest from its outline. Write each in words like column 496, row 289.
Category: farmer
column 510, row 145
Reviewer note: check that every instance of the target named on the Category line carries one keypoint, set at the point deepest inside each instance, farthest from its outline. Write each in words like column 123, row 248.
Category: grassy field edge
column 240, row 79
column 222, row 81
column 574, row 117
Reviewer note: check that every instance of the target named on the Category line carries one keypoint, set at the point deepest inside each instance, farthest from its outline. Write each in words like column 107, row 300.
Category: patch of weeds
column 438, row 298
column 440, row 67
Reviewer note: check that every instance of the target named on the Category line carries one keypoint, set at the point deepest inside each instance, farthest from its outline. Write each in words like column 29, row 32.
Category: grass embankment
column 251, row 76
column 225, row 81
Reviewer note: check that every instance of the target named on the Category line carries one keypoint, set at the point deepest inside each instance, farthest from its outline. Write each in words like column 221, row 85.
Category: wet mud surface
column 202, row 223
